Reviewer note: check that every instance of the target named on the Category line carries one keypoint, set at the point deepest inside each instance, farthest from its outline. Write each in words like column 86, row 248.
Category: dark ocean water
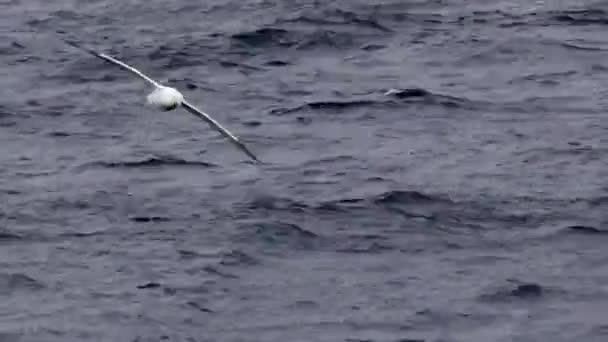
column 471, row 205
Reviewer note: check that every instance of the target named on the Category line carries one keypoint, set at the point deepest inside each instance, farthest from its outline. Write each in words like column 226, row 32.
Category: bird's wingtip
column 252, row 156
column 72, row 43
column 256, row 161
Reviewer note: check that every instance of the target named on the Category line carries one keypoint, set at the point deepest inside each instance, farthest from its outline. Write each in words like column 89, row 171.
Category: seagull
column 168, row 98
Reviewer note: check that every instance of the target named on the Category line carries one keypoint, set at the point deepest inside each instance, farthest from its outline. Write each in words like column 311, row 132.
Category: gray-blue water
column 471, row 206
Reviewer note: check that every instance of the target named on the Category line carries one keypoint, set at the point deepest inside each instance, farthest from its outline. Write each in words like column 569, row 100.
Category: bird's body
column 167, row 98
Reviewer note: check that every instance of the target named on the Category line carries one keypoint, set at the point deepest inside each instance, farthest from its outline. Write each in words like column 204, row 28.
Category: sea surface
column 433, row 171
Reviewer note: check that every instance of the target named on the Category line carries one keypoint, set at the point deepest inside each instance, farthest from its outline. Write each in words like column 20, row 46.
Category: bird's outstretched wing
column 215, row 125
column 190, row 108
column 114, row 61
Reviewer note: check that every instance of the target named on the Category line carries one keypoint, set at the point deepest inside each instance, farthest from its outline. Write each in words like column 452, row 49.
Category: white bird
column 167, row 98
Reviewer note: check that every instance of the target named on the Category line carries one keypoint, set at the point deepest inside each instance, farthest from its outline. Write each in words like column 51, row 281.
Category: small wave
column 264, row 37
column 274, row 203
column 412, row 204
column 276, row 233
column 277, row 203
column 581, row 17
column 309, row 30
column 407, row 93
column 545, row 78
column 276, row 63
column 342, row 205
column 524, row 291
column 153, row 162
column 238, row 258
column 338, row 105
column 599, row 201
column 237, row 65
column 408, row 203
column 199, row 307
column 404, row 197
column 8, row 236
column 18, row 281
column 410, row 12
column 64, row 204
column 392, row 97
column 364, row 244
column 583, row 229
column 150, row 285
column 252, row 123
column 217, row 272
column 335, row 17
column 590, row 16
column 389, row 199
column 58, row 134
column 486, row 16
column 579, row 47
column 425, row 97
column 188, row 254
column 145, row 219
column 338, row 158
column 4, row 112
column 325, row 105
column 276, row 229
column 373, row 47
column 300, row 40
column 13, row 48
column 552, row 153
column 326, row 39
column 93, row 233
column 181, row 54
